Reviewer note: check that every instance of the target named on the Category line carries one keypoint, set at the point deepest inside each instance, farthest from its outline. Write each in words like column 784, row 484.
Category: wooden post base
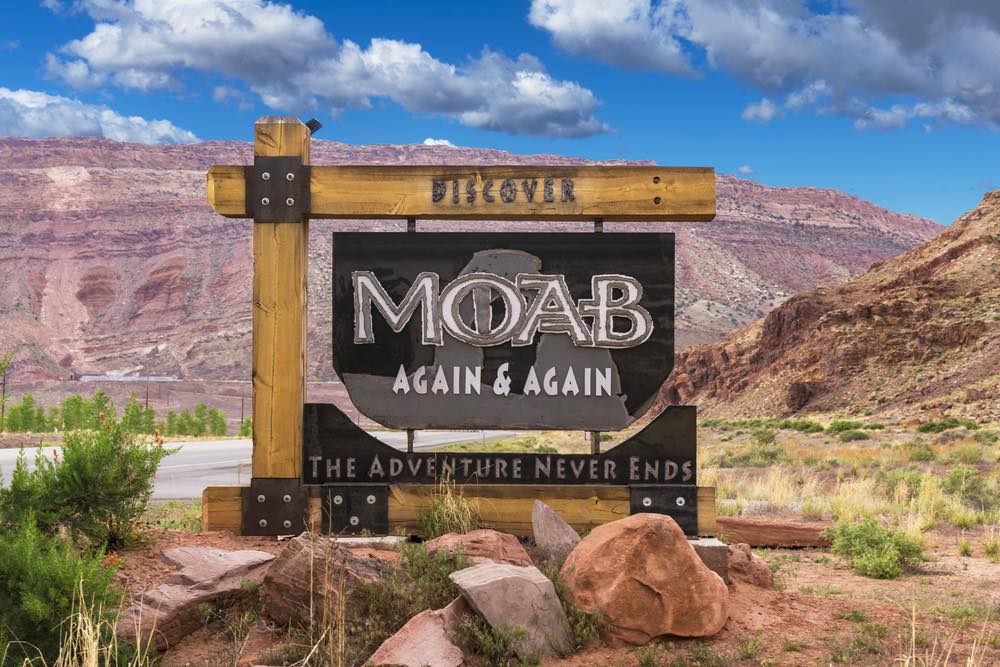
column 504, row 507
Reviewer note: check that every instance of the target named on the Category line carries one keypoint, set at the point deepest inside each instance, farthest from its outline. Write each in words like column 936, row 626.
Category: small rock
column 166, row 614
column 422, row 642
column 745, row 566
column 517, row 597
column 647, row 581
column 306, row 565
column 714, row 553
column 554, row 537
column 482, row 546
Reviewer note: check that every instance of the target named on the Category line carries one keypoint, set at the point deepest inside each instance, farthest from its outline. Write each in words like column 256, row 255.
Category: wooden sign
column 486, row 193
column 607, row 309
column 525, row 331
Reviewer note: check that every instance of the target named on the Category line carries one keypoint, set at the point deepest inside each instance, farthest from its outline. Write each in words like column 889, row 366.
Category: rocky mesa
column 111, row 259
column 918, row 334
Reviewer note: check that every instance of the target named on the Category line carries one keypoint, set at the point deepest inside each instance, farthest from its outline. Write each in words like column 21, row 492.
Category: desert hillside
column 111, row 259
column 919, row 333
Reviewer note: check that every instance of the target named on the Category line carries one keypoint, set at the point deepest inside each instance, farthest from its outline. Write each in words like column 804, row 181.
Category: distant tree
column 246, row 428
column 54, row 420
column 201, row 419
column 218, row 418
column 170, row 423
column 72, row 412
column 132, row 416
column 148, row 420
column 100, row 402
column 185, row 423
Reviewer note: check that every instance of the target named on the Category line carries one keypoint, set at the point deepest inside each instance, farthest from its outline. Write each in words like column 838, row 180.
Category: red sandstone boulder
column 313, row 564
column 773, row 533
column 422, row 642
column 482, row 546
column 745, row 566
column 647, row 581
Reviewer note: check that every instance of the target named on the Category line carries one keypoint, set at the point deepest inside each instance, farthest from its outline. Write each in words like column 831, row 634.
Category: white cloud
column 931, row 60
column 762, row 112
column 430, row 141
column 287, row 58
column 29, row 113
column 745, row 169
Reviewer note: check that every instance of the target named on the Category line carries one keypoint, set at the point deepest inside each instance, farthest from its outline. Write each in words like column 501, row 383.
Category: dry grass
column 449, row 512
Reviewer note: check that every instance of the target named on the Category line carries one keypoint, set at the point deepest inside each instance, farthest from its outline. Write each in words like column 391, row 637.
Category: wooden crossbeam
column 517, row 192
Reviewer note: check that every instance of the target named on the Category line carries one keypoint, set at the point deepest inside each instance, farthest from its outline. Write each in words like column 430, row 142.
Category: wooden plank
column 397, row 191
column 222, row 508
column 280, row 254
column 507, row 507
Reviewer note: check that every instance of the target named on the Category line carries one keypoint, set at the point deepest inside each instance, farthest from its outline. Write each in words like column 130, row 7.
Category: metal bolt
column 355, row 520
column 287, row 524
column 337, row 500
column 656, row 200
column 371, row 500
column 290, row 201
column 265, row 201
column 680, row 502
column 266, row 176
column 262, row 523
column 290, row 176
column 656, row 179
column 261, row 498
column 647, row 502
column 287, row 498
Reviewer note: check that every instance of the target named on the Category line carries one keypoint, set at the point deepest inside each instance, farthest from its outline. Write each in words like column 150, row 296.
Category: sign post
column 478, row 330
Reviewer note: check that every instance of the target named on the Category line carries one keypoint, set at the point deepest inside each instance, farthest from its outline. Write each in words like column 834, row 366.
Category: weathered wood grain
column 398, row 191
column 507, row 507
column 280, row 254
column 222, row 508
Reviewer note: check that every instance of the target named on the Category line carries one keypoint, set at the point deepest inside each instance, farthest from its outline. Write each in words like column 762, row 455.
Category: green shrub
column 494, row 643
column 970, row 454
column 801, row 425
column 920, row 452
column 763, row 436
column 852, row 435
column 448, row 512
column 583, row 626
column 965, row 482
column 98, row 488
column 945, row 424
column 756, row 456
column 42, row 581
column 911, row 479
column 875, row 550
column 985, row 437
column 874, row 426
column 839, row 425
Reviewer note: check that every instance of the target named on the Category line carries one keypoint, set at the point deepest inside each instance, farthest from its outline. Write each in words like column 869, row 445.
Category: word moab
column 551, row 309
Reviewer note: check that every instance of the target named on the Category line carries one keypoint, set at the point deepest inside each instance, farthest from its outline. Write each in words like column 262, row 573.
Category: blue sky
column 895, row 101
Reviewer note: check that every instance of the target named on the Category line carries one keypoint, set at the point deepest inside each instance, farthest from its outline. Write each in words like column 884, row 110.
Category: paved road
column 211, row 462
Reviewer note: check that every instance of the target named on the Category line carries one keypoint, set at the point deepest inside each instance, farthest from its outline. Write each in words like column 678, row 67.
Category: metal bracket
column 277, row 189
column 274, row 506
column 352, row 509
column 678, row 501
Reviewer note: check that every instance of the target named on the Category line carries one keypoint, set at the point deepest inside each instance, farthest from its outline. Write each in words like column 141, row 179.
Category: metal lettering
column 508, row 190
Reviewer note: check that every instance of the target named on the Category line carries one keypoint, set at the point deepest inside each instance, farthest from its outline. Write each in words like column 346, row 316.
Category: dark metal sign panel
column 531, row 331
column 336, row 452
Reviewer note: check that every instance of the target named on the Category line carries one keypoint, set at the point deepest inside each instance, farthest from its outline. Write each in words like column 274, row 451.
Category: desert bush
column 945, row 424
column 246, row 428
column 448, row 512
column 874, row 426
column 756, row 456
column 44, row 580
column 97, row 489
column 852, row 435
column 495, row 644
column 875, row 550
column 919, row 452
column 965, row 482
column 969, row 454
column 840, row 425
column 985, row 437
column 583, row 626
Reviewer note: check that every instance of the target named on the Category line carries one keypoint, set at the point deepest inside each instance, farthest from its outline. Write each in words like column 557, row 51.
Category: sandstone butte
column 110, row 257
column 918, row 334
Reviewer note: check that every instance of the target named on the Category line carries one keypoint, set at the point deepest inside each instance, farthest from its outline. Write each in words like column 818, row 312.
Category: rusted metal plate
column 528, row 331
column 277, row 189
